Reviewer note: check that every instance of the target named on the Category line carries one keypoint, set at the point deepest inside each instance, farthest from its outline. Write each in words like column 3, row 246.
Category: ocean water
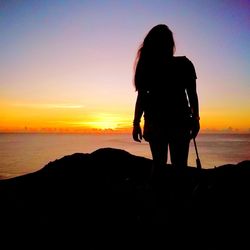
column 25, row 153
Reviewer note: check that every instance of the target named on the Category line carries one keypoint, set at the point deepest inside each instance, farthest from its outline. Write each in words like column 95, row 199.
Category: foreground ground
column 107, row 196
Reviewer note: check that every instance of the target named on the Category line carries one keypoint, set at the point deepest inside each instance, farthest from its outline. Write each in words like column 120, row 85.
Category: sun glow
column 103, row 124
column 104, row 121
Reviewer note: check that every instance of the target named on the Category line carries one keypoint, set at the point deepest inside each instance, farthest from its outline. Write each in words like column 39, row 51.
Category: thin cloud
column 50, row 106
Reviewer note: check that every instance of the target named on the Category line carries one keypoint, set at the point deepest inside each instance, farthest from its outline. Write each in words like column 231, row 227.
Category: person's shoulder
column 186, row 64
column 182, row 59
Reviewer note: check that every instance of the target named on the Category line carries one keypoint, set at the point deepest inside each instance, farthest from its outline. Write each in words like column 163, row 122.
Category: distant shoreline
column 116, row 133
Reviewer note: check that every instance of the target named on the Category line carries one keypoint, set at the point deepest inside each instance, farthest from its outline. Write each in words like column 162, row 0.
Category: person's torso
column 166, row 99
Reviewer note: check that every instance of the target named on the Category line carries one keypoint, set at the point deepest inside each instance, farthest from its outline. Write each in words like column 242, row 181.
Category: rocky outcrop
column 109, row 192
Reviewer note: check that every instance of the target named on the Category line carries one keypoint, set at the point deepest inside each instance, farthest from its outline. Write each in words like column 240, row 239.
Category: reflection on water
column 25, row 153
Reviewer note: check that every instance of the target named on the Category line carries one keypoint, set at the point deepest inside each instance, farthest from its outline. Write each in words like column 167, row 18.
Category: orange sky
column 74, row 118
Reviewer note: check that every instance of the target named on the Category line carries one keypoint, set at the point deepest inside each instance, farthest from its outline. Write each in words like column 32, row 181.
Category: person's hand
column 195, row 128
column 137, row 133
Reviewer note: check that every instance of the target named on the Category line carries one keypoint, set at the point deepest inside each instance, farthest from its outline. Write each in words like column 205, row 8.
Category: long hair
column 158, row 46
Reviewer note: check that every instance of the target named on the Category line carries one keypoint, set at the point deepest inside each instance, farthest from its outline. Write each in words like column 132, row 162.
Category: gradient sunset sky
column 68, row 65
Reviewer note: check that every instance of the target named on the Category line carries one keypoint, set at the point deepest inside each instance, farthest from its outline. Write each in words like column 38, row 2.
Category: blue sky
column 81, row 54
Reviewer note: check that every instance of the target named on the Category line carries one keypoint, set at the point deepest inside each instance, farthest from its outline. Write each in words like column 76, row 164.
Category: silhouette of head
column 158, row 46
column 159, row 41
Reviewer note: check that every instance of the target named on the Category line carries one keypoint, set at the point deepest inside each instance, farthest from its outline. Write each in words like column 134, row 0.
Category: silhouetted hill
column 108, row 192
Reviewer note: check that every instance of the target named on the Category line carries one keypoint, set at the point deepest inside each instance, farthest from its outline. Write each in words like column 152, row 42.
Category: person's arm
column 139, row 108
column 194, row 105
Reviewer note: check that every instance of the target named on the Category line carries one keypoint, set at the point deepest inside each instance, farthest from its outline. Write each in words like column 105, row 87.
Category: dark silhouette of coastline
column 108, row 193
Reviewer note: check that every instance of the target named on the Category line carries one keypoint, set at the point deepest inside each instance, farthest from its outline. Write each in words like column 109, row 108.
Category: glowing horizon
column 66, row 118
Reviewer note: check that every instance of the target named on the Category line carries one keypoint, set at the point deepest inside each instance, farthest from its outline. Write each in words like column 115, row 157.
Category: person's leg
column 179, row 147
column 159, row 150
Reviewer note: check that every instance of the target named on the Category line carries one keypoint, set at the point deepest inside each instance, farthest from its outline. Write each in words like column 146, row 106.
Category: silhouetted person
column 166, row 86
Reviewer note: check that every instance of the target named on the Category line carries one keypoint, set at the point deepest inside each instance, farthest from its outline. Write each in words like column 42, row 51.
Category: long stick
column 198, row 162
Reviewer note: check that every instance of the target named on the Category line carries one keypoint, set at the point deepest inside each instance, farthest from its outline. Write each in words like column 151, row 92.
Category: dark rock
column 110, row 193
